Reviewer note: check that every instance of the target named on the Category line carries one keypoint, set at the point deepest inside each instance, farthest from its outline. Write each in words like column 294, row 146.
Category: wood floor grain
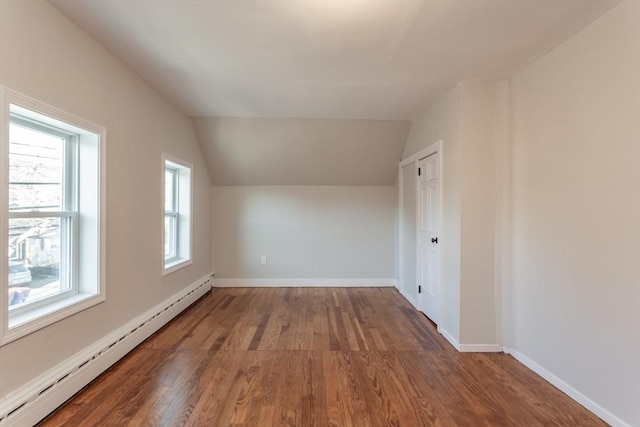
column 313, row 357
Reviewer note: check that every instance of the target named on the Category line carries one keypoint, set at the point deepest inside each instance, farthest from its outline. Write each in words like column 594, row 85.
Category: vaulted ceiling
column 375, row 63
column 345, row 59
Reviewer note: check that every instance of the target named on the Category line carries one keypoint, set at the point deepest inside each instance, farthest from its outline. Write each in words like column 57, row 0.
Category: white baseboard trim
column 480, row 348
column 463, row 348
column 409, row 298
column 454, row 342
column 37, row 399
column 302, row 283
column 592, row 406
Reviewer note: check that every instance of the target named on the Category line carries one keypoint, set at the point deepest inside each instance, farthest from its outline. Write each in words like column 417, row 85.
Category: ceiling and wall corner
column 383, row 60
column 254, row 74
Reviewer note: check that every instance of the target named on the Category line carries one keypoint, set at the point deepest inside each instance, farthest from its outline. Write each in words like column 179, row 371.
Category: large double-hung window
column 52, row 194
column 43, row 211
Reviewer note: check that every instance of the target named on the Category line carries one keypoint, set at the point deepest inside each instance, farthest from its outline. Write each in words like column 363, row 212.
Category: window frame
column 173, row 214
column 182, row 198
column 68, row 214
column 87, row 288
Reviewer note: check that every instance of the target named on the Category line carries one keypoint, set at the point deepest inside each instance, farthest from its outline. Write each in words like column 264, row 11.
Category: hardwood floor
column 313, row 357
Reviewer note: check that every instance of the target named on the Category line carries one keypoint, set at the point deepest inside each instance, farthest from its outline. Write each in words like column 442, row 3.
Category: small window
column 177, row 213
column 52, row 233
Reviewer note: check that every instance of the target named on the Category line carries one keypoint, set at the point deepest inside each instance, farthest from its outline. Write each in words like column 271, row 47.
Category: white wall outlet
column 263, row 259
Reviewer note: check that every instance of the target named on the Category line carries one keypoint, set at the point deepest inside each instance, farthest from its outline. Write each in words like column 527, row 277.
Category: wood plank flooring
column 313, row 357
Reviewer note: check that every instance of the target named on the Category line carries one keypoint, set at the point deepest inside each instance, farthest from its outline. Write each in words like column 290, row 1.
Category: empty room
column 320, row 213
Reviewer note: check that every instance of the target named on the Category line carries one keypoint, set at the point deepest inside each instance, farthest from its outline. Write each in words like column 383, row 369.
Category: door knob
column 434, row 240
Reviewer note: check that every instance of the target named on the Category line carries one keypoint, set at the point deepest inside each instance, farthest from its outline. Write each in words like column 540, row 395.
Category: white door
column 429, row 232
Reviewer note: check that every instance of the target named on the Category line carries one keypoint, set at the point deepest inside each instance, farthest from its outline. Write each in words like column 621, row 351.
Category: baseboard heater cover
column 34, row 401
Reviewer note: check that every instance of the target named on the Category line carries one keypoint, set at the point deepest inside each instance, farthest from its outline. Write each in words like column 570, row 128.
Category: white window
column 177, row 213
column 52, row 194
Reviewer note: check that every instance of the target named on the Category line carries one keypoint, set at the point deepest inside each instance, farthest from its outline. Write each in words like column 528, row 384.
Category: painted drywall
column 471, row 122
column 576, row 212
column 441, row 122
column 45, row 56
column 407, row 226
column 245, row 151
column 482, row 132
column 324, row 58
column 304, row 231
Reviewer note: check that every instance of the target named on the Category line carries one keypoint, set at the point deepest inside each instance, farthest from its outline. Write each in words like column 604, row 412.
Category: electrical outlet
column 263, row 259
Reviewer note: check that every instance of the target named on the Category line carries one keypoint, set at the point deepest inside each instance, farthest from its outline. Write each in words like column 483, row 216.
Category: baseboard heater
column 34, row 401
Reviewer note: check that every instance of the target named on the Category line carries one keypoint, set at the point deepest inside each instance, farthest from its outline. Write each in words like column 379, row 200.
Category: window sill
column 33, row 320
column 175, row 266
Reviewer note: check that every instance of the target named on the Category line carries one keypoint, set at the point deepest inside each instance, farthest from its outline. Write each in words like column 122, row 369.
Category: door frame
column 415, row 158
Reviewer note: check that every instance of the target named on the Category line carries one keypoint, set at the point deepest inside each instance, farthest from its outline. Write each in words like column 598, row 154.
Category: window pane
column 35, row 250
column 169, row 189
column 35, row 170
column 170, row 239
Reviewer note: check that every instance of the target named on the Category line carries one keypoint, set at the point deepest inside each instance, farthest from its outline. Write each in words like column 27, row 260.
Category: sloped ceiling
column 344, row 59
column 302, row 151
column 376, row 60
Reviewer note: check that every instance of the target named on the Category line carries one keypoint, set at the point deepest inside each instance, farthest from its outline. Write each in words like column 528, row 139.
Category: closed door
column 429, row 244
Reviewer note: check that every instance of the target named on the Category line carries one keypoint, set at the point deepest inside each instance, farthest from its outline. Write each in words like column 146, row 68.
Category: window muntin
column 177, row 213
column 36, row 167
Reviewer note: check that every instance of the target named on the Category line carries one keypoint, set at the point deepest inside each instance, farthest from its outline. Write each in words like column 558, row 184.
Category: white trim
column 48, row 314
column 462, row 348
column 454, row 342
column 176, row 265
column 400, row 285
column 303, row 283
column 60, row 117
column 182, row 261
column 480, row 348
column 4, row 207
column 408, row 297
column 34, row 401
column 567, row 389
column 434, row 148
column 88, row 295
column 440, row 329
column 416, row 250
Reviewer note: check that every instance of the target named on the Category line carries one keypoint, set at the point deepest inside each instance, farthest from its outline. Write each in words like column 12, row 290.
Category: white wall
column 576, row 212
column 44, row 55
column 483, row 135
column 407, row 226
column 441, row 122
column 472, row 123
column 286, row 151
column 305, row 232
